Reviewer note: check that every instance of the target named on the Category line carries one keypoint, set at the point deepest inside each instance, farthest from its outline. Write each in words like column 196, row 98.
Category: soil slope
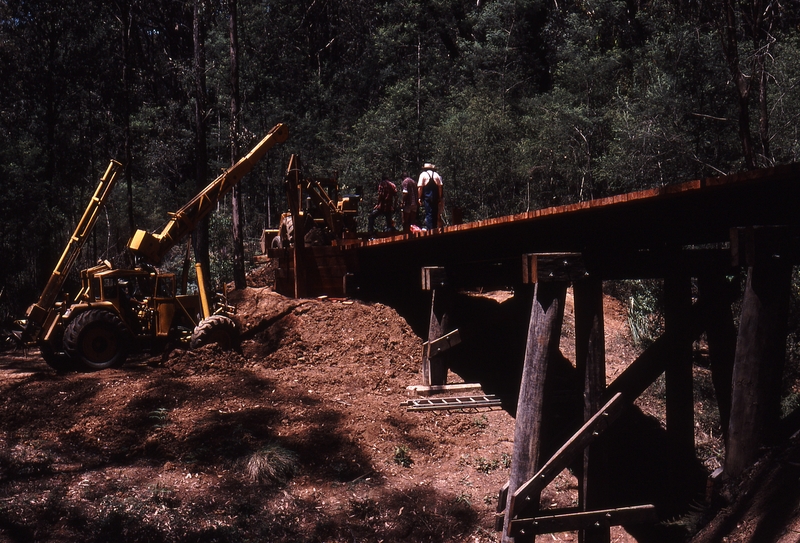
column 167, row 448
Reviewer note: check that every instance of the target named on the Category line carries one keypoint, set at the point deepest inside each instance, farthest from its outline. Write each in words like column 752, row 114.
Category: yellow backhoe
column 318, row 214
column 118, row 311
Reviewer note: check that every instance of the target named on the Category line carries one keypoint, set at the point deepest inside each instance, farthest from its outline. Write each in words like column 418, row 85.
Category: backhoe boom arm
column 152, row 247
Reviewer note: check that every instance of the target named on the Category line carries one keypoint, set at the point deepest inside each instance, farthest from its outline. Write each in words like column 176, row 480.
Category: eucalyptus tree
column 236, row 198
column 785, row 98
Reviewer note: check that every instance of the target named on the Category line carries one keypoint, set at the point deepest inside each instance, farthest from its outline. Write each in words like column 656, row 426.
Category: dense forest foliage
column 520, row 103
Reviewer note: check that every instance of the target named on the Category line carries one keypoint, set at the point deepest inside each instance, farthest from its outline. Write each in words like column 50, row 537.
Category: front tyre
column 61, row 362
column 97, row 339
column 217, row 329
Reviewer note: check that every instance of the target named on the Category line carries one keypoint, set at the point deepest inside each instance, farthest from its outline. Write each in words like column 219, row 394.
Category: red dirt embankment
column 158, row 450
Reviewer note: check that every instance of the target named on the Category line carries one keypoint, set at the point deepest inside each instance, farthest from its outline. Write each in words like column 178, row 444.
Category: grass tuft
column 272, row 464
column 402, row 456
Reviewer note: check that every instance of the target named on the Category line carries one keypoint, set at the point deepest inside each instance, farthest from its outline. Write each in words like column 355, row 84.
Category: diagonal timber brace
column 442, row 344
column 579, row 520
column 530, row 490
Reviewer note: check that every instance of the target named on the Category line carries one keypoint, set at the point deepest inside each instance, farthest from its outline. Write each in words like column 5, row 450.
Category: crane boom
column 38, row 312
column 152, row 247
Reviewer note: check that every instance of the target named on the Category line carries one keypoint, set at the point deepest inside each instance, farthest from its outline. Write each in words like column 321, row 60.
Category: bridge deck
column 634, row 235
column 630, row 235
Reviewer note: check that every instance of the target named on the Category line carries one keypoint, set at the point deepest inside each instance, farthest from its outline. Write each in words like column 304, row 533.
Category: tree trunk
column 126, row 84
column 236, row 204
column 762, row 26
column 730, row 48
column 759, row 22
column 200, row 234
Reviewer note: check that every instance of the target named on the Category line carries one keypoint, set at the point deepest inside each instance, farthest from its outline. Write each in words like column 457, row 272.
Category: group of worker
column 424, row 193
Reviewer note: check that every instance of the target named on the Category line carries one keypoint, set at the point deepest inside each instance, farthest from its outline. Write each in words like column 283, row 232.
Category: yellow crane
column 118, row 311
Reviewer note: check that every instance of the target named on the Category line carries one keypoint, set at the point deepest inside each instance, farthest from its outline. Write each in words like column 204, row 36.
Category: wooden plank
column 502, row 498
column 434, row 367
column 649, row 365
column 742, row 246
column 758, row 363
column 678, row 377
column 422, row 390
column 332, row 271
column 332, row 286
column 591, row 364
column 300, row 270
column 284, row 285
column 440, row 345
column 643, row 371
column 433, row 277
column 571, row 521
column 687, row 190
column 718, row 294
column 531, row 489
column 326, row 251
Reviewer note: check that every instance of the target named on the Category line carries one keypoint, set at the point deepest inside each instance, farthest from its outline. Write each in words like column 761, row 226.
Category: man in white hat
column 429, row 191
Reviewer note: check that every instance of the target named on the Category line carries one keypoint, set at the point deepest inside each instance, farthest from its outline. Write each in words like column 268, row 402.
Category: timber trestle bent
column 709, row 243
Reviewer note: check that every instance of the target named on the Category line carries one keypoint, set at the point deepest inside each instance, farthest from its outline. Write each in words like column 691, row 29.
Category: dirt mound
column 763, row 505
column 163, row 448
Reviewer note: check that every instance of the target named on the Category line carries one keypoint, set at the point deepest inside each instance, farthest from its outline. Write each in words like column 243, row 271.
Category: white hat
column 429, row 166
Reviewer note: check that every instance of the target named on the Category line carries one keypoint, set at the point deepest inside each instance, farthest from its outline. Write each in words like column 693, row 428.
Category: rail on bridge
column 703, row 239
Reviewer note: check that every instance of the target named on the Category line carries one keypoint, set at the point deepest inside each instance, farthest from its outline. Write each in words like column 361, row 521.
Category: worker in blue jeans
column 429, row 189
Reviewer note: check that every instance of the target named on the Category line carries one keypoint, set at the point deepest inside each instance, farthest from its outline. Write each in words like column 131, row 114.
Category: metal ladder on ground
column 486, row 401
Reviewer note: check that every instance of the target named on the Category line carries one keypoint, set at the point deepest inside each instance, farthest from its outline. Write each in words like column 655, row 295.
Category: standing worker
column 385, row 206
column 409, row 202
column 429, row 192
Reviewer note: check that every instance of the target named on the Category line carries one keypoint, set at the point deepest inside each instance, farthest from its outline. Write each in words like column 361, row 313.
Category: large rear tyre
column 217, row 329
column 97, row 339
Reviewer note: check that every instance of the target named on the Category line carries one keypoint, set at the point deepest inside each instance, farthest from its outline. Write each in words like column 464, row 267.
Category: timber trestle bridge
column 715, row 244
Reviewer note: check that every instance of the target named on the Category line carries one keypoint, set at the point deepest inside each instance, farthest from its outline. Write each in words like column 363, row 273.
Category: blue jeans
column 431, row 214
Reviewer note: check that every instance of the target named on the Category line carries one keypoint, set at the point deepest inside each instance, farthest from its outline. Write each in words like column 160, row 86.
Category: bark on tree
column 764, row 14
column 730, row 48
column 127, row 25
column 758, row 23
column 200, row 234
column 236, row 201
